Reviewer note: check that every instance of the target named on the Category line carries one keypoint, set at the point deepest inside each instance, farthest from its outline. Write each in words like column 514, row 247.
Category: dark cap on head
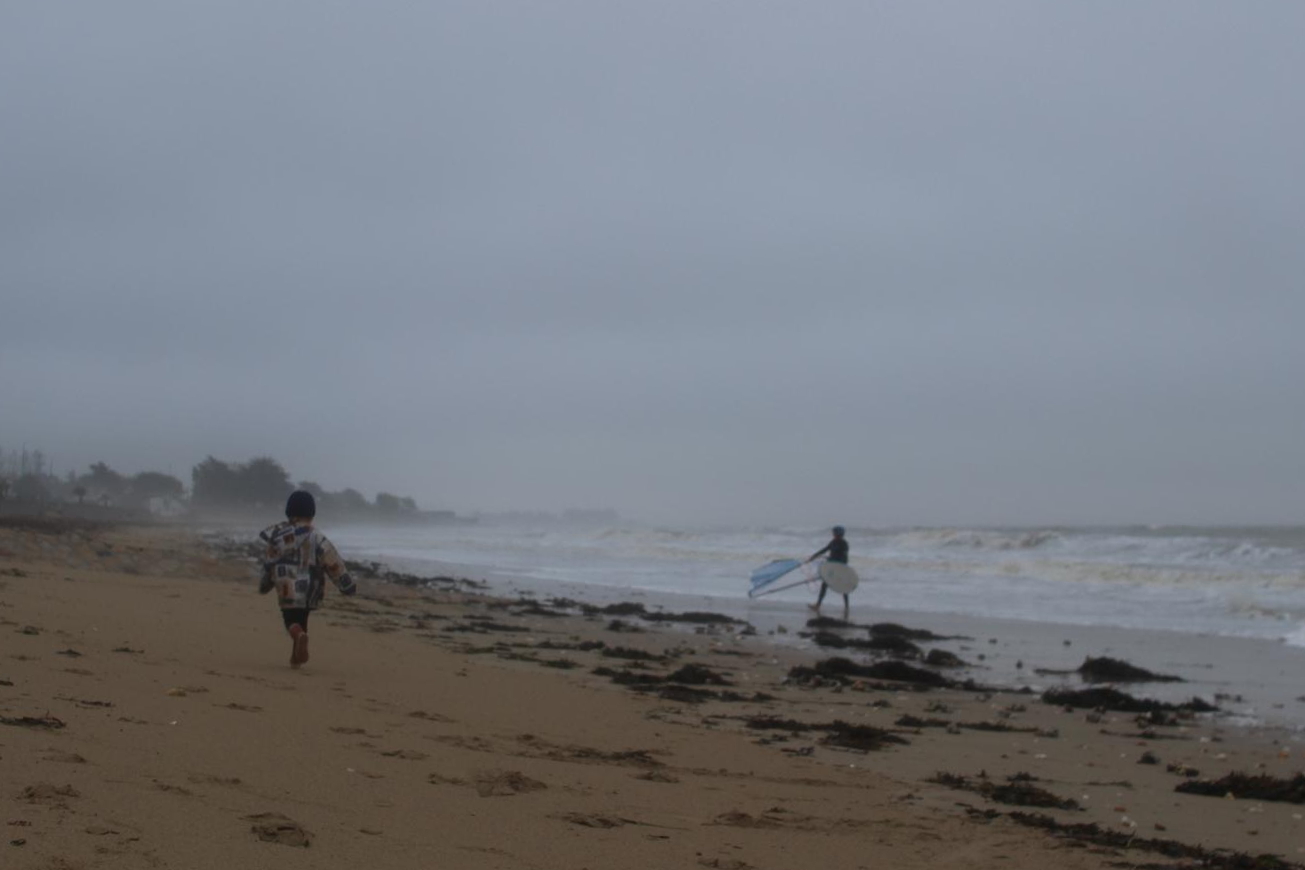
column 301, row 504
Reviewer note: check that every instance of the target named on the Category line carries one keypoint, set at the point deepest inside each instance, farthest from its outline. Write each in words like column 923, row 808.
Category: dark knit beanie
column 301, row 504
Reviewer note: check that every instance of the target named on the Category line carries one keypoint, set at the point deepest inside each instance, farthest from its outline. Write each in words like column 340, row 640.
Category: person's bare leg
column 299, row 645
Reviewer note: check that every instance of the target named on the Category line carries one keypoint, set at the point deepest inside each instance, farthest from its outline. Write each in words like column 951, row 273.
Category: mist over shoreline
column 947, row 265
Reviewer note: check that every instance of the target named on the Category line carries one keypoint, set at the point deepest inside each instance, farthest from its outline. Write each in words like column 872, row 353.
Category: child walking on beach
column 297, row 559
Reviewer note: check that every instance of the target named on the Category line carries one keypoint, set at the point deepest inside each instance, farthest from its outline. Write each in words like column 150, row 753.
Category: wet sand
column 149, row 718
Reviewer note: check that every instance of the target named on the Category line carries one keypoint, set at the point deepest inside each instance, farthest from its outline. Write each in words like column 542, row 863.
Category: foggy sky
column 857, row 262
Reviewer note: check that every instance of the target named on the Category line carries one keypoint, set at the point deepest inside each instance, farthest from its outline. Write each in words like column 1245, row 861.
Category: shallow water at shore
column 1229, row 582
column 1254, row 680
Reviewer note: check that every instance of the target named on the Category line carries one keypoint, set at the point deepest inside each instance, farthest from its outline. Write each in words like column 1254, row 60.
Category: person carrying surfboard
column 837, row 548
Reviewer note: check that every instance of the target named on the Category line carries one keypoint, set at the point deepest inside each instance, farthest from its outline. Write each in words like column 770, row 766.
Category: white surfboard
column 839, row 577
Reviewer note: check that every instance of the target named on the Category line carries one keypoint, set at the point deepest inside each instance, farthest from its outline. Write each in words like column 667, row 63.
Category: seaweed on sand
column 889, row 644
column 1018, row 790
column 892, row 629
column 697, row 675
column 1244, row 785
column 843, row 670
column 1108, row 670
column 1207, row 859
column 693, row 616
column 1113, row 699
column 864, row 738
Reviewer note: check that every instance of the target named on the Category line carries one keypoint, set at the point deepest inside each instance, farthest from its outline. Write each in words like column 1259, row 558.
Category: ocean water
column 1235, row 582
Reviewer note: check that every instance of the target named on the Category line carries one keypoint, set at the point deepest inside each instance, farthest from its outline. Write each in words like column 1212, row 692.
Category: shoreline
column 1255, row 681
column 150, row 718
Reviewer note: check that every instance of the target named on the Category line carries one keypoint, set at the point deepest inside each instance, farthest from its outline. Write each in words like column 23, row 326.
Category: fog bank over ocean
column 883, row 264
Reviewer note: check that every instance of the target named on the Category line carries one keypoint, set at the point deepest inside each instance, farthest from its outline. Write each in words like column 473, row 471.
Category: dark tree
column 264, row 482
column 351, row 501
column 104, row 479
column 155, row 484
column 213, row 483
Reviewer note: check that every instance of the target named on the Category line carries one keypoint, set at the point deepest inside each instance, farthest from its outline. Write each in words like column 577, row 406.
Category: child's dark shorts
column 293, row 615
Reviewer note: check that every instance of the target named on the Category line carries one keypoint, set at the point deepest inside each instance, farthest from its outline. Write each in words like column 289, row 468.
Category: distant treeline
column 259, row 484
column 262, row 483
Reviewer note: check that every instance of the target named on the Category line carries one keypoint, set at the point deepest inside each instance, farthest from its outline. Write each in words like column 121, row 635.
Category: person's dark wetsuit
column 837, row 549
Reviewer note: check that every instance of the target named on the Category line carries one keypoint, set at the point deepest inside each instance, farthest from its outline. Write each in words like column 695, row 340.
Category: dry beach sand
column 149, row 718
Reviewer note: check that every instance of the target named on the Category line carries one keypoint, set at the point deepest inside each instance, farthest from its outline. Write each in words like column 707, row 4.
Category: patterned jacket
column 296, row 562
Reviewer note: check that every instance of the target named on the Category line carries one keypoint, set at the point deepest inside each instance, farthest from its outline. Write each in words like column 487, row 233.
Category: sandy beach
column 149, row 718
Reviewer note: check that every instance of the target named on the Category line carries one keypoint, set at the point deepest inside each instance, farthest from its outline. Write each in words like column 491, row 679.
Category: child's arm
column 329, row 559
column 270, row 554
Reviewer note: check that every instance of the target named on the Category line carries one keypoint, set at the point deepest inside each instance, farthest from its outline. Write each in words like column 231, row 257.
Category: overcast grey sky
column 859, row 262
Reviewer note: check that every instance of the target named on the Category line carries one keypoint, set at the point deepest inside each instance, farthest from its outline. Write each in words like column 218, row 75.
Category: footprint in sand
column 276, row 828
column 366, row 774
column 210, row 779
column 429, row 717
column 82, row 702
column 48, row 722
column 59, row 757
column 173, row 789
column 407, row 754
column 505, row 783
column 244, row 708
column 658, row 776
column 595, row 820
column 46, row 794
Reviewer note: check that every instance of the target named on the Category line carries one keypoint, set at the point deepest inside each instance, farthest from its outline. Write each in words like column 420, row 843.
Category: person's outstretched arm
column 822, row 550
column 331, row 563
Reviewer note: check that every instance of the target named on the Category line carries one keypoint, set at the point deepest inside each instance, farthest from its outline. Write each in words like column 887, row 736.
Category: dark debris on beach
column 1249, row 786
column 1095, row 835
column 845, row 670
column 378, row 571
column 1104, row 669
column 840, row 734
column 1017, row 790
column 1113, row 699
column 682, row 685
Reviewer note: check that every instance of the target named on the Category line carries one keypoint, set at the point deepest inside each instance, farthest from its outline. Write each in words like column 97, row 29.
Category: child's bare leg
column 299, row 645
